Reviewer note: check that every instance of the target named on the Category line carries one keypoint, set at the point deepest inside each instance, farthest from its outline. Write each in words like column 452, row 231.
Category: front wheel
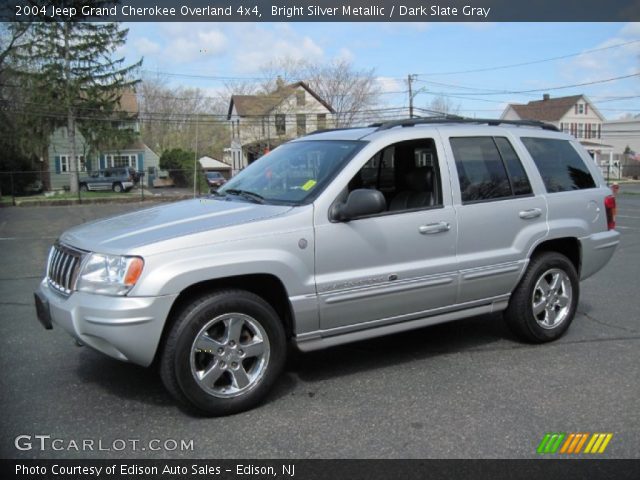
column 543, row 305
column 223, row 353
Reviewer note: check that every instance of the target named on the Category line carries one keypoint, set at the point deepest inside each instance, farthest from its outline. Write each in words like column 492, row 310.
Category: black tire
column 177, row 359
column 83, row 187
column 117, row 187
column 540, row 327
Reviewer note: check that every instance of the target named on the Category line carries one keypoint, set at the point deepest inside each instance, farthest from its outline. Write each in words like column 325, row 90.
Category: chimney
column 279, row 83
column 545, row 96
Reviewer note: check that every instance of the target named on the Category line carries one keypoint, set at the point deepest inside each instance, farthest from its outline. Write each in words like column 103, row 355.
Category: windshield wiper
column 251, row 196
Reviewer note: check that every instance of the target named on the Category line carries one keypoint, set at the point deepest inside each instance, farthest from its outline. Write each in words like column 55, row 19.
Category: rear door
column 500, row 213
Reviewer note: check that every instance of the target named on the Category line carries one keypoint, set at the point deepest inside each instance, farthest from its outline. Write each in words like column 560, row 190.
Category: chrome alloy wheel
column 230, row 355
column 551, row 299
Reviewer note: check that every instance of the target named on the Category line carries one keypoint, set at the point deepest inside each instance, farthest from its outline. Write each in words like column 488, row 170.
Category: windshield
column 293, row 172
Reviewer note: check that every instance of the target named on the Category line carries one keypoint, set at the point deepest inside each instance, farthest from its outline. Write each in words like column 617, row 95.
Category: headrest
column 420, row 179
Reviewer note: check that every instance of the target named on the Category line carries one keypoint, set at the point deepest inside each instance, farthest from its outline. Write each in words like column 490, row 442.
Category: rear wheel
column 543, row 305
column 223, row 353
column 83, row 187
column 117, row 187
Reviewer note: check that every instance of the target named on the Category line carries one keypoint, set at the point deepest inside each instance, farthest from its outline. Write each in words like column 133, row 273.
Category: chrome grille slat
column 63, row 268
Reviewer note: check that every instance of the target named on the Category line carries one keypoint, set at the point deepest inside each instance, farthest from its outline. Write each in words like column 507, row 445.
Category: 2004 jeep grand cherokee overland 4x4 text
column 336, row 237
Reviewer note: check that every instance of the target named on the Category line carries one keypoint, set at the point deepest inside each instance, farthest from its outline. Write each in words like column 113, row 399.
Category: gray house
column 136, row 154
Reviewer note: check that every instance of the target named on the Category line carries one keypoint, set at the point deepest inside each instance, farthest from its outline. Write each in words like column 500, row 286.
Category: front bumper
column 126, row 328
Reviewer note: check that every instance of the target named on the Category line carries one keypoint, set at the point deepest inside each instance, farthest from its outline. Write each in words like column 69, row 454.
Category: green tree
column 179, row 164
column 79, row 80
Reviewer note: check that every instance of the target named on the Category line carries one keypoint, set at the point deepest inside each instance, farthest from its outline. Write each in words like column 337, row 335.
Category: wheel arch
column 570, row 247
column 267, row 286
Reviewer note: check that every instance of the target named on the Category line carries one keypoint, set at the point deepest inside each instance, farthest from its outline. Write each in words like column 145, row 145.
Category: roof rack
column 410, row 122
column 339, row 129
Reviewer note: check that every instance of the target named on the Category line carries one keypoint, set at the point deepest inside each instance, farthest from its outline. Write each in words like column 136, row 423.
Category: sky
column 440, row 54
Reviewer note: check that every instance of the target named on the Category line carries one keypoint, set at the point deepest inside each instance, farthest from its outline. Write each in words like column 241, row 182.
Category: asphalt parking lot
column 461, row 390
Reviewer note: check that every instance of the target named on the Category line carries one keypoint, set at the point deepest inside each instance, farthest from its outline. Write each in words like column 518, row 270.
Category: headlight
column 109, row 274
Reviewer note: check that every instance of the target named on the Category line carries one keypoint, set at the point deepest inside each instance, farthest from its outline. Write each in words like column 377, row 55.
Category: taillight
column 610, row 207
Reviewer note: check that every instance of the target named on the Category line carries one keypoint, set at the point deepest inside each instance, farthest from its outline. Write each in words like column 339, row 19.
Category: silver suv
column 336, row 237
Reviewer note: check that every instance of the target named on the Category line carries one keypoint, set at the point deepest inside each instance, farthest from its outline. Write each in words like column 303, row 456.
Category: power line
column 546, row 89
column 532, row 62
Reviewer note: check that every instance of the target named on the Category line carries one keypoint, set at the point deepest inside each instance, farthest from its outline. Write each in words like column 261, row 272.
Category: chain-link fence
column 115, row 184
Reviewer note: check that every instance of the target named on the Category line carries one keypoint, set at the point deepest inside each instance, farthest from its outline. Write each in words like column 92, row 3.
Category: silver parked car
column 337, row 237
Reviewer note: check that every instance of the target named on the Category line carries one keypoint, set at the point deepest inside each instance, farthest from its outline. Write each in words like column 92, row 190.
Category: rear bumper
column 597, row 250
column 126, row 328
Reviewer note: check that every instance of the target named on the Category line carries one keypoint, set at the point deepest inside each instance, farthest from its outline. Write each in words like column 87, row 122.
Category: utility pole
column 195, row 162
column 410, row 79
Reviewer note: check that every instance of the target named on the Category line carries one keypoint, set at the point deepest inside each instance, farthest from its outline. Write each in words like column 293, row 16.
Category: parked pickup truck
column 119, row 179
column 337, row 237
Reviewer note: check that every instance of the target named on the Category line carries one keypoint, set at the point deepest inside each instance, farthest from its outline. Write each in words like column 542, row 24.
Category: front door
column 396, row 265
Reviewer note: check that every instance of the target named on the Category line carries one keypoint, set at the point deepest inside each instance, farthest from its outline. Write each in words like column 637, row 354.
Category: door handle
column 531, row 213
column 438, row 227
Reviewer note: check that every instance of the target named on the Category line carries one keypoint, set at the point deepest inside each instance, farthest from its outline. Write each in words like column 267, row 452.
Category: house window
column 300, row 98
column 580, row 108
column 121, row 160
column 322, row 121
column 281, row 125
column 580, row 130
column 301, row 124
column 66, row 164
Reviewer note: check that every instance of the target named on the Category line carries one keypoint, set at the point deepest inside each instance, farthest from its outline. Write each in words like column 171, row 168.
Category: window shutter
column 140, row 162
column 586, row 108
column 57, row 163
column 576, row 108
column 102, row 162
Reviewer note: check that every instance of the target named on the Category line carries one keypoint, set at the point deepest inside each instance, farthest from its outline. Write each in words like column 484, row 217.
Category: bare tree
column 442, row 105
column 178, row 117
column 348, row 90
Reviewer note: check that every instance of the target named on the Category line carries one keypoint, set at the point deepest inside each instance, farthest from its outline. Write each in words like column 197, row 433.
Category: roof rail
column 410, row 122
column 338, row 129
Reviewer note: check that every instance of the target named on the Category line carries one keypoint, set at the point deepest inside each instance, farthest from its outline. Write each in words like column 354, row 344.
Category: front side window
column 488, row 169
column 292, row 173
column 559, row 164
column 407, row 174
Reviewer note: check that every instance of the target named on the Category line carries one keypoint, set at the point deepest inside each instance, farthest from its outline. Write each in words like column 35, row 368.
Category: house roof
column 208, row 162
column 549, row 110
column 129, row 102
column 253, row 105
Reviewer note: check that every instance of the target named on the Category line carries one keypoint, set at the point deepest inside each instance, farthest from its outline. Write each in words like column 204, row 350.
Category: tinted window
column 481, row 172
column 519, row 181
column 559, row 164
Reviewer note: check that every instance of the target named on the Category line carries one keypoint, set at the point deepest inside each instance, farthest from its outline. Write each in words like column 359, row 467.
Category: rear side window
column 560, row 166
column 488, row 168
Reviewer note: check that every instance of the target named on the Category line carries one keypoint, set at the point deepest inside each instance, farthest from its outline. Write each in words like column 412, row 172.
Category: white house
column 575, row 115
column 261, row 122
column 623, row 135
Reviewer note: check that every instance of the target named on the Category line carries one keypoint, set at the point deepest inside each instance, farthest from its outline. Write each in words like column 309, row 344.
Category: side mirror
column 360, row 202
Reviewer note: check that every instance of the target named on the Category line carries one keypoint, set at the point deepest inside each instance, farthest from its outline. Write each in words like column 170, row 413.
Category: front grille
column 62, row 268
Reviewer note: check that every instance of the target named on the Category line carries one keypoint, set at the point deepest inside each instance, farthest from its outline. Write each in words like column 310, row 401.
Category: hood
column 123, row 232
